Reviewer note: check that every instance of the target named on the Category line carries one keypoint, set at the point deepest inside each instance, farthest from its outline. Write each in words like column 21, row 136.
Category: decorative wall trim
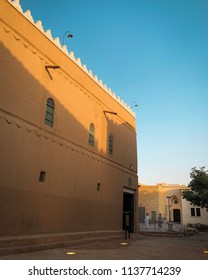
column 61, row 71
column 13, row 120
column 56, row 41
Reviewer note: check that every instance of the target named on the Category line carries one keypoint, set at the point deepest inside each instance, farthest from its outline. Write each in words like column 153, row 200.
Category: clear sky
column 155, row 53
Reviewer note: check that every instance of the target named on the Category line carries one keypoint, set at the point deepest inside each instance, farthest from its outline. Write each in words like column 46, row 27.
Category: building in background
column 167, row 200
column 68, row 144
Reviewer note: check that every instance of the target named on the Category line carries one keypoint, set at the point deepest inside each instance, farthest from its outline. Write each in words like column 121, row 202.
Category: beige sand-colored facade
column 167, row 200
column 68, row 162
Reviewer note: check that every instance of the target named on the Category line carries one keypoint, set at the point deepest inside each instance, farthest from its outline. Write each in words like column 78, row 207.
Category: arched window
column 91, row 134
column 110, row 144
column 49, row 115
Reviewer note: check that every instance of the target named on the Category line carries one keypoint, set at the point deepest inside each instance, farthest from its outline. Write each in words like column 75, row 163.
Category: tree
column 197, row 193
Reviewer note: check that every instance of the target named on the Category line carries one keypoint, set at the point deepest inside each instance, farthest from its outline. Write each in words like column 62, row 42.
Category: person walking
column 160, row 221
column 146, row 220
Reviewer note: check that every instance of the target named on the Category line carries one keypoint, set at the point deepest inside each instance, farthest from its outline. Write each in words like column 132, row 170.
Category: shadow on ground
column 139, row 247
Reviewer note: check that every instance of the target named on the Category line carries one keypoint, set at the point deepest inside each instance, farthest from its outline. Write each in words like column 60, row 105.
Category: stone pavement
column 148, row 244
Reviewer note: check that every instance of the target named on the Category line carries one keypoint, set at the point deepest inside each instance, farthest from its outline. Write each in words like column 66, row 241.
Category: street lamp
column 68, row 36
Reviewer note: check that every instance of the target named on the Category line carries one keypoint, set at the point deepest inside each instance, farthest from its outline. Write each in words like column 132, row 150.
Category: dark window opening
column 42, row 176
column 192, row 212
column 195, row 212
column 98, row 186
column 198, row 212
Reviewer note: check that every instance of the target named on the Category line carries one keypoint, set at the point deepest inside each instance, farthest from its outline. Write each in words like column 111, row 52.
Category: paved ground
column 149, row 244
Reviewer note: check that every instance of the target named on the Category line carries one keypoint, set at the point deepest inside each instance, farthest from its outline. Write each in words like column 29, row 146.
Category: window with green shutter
column 49, row 115
column 110, row 144
column 91, row 134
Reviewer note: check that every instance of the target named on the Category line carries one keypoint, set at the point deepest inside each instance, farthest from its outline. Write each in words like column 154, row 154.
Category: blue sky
column 155, row 53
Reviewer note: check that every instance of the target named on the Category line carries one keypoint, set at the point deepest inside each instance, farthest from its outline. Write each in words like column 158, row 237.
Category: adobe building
column 68, row 144
column 167, row 199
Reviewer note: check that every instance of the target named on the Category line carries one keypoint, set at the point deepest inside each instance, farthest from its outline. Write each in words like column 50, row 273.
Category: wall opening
column 128, row 211
column 177, row 215
column 42, row 176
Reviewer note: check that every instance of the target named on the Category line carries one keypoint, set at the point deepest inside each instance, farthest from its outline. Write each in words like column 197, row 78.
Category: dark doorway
column 177, row 215
column 128, row 211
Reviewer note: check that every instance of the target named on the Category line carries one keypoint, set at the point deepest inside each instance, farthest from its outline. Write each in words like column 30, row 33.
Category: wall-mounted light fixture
column 70, row 36
column 109, row 112
column 51, row 67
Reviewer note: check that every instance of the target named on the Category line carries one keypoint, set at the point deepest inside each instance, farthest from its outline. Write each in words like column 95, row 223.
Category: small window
column 49, row 115
column 42, row 176
column 198, row 212
column 91, row 134
column 98, row 186
column 110, row 144
column 193, row 212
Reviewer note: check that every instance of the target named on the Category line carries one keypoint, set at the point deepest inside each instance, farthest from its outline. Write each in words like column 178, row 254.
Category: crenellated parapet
column 38, row 24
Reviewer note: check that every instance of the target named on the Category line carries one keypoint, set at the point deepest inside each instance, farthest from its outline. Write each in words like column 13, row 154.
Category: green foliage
column 197, row 194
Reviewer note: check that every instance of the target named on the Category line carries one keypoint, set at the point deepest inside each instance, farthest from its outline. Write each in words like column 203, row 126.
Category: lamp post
column 68, row 36
column 169, row 197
